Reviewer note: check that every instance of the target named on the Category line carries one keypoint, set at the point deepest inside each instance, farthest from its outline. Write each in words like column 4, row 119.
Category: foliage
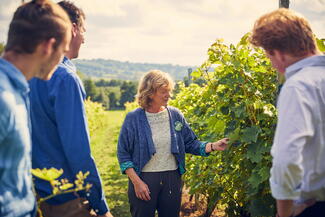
column 237, row 101
column 112, row 100
column 108, row 83
column 128, row 91
column 102, row 97
column 90, row 88
column 62, row 186
column 113, row 94
column 129, row 106
column 2, row 47
column 321, row 44
column 94, row 112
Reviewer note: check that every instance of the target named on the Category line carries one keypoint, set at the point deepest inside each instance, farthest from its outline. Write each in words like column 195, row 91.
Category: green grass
column 104, row 143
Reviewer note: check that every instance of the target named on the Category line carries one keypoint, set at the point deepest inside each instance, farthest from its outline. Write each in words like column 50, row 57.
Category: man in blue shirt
column 48, row 38
column 60, row 134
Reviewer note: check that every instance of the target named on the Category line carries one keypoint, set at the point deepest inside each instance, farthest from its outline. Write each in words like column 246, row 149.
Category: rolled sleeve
column 202, row 149
column 126, row 165
column 285, row 182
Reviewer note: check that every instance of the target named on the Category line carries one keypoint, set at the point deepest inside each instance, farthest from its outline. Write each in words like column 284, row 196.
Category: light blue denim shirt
column 16, row 195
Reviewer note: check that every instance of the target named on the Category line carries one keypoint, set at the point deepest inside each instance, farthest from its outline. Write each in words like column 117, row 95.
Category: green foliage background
column 236, row 101
column 112, row 94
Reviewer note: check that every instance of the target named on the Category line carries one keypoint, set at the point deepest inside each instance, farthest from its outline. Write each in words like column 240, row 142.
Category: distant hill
column 112, row 69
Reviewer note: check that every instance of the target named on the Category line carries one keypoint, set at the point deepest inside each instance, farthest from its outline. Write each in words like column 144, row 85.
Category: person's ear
column 280, row 56
column 74, row 30
column 47, row 46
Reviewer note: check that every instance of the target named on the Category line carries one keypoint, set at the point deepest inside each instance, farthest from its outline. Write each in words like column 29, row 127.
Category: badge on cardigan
column 178, row 126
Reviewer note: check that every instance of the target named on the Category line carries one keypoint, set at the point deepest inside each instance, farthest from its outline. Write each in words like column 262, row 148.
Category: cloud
column 169, row 31
column 314, row 11
column 130, row 16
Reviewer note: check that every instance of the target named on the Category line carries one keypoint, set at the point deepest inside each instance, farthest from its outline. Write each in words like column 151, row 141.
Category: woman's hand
column 220, row 145
column 142, row 190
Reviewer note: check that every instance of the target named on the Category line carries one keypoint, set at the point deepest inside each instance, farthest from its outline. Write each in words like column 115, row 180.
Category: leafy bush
column 94, row 111
column 237, row 101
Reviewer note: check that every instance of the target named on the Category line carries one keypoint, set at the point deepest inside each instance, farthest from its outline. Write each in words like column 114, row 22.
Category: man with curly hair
column 298, row 171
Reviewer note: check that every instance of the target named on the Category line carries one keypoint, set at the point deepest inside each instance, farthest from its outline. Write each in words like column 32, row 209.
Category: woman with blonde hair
column 151, row 149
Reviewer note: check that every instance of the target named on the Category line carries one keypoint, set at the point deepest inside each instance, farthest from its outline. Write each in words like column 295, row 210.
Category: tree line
column 113, row 94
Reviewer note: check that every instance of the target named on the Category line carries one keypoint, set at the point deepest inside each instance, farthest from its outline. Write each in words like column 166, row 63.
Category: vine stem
column 41, row 200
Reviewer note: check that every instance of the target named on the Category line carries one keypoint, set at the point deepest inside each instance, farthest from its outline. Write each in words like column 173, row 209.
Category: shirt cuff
column 124, row 166
column 202, row 149
column 280, row 192
column 102, row 208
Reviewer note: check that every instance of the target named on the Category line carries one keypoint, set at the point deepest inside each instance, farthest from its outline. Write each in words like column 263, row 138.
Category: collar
column 14, row 75
column 66, row 62
column 306, row 62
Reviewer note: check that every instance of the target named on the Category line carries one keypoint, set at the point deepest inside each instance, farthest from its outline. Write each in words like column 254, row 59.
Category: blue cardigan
column 136, row 147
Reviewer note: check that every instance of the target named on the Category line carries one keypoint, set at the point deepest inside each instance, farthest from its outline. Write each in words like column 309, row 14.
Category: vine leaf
column 250, row 134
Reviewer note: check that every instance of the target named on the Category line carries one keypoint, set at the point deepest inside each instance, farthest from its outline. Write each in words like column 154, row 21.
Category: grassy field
column 104, row 143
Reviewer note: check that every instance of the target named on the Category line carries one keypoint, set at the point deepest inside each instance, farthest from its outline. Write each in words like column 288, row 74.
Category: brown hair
column 286, row 31
column 75, row 13
column 150, row 83
column 35, row 22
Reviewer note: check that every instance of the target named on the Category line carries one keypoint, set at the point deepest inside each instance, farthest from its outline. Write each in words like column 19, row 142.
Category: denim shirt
column 60, row 134
column 135, row 144
column 16, row 195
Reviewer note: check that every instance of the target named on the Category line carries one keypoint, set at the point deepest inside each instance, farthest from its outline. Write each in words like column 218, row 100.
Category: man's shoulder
column 8, row 101
column 8, row 92
column 5, row 83
column 66, row 74
column 306, row 79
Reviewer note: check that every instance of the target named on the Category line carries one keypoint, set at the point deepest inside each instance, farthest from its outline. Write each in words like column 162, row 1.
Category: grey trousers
column 165, row 192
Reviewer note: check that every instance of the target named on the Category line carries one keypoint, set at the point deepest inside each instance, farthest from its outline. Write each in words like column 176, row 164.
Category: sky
column 169, row 31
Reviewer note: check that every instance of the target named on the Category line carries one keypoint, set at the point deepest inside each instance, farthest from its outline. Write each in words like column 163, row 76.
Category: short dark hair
column 286, row 31
column 73, row 11
column 35, row 22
